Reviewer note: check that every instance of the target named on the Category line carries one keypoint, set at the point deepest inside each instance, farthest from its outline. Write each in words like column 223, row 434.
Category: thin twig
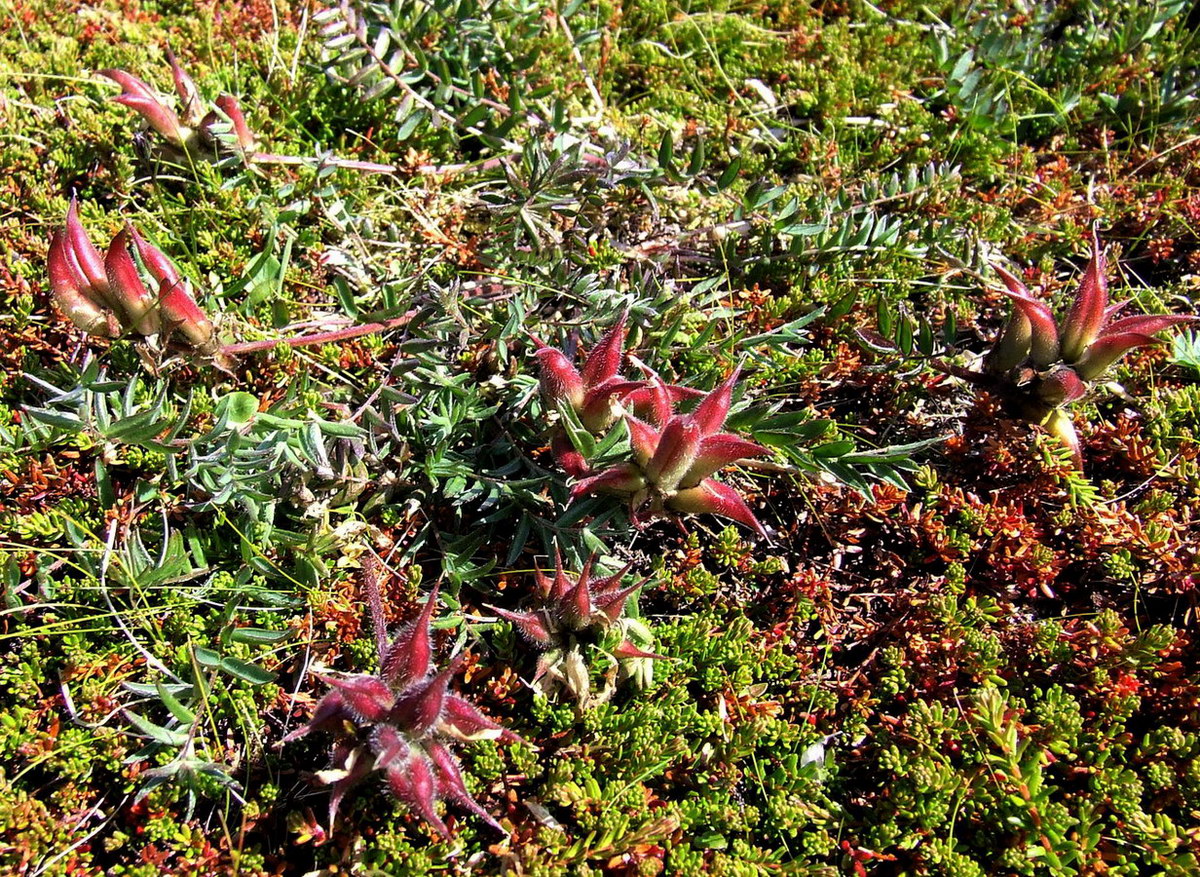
column 370, row 575
column 319, row 337
column 45, row 865
column 351, row 164
column 575, row 53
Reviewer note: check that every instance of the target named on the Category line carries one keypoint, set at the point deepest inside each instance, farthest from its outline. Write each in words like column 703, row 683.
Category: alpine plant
column 1051, row 363
column 193, row 131
column 673, row 454
column 573, row 617
column 400, row 721
column 674, row 457
column 107, row 295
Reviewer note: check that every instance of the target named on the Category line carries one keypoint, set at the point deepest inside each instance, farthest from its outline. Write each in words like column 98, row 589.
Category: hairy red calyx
column 108, row 296
column 672, row 463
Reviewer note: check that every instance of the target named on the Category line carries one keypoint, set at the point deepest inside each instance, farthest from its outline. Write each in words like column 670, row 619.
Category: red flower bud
column 411, row 780
column 604, row 361
column 675, row 453
column 189, row 95
column 329, row 715
column 69, row 295
column 127, row 287
column 710, row 414
column 1043, row 346
column 560, row 381
column 450, row 784
column 531, row 624
column 576, row 607
column 567, row 457
column 1087, row 311
column 599, row 409
column 557, row 588
column 717, row 452
column 408, row 658
column 1108, row 349
column 365, row 698
column 623, row 479
column 643, row 440
column 231, row 108
column 91, row 264
column 654, row 402
column 1146, row 324
column 420, row 706
column 1061, row 386
column 178, row 310
column 612, row 604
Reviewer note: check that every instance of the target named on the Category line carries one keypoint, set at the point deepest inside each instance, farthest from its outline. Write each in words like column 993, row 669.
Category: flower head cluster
column 107, row 295
column 674, row 457
column 673, row 453
column 400, row 722
column 193, row 131
column 573, row 613
column 1053, row 362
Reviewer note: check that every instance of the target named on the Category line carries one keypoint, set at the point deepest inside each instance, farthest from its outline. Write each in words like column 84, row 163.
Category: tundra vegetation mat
column 599, row 438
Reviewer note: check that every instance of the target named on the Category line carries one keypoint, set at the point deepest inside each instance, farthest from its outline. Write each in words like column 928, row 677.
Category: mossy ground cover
column 953, row 654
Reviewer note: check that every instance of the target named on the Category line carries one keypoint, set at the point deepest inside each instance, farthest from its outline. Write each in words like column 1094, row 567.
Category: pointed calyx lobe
column 73, row 294
column 229, row 105
column 713, row 498
column 409, row 656
column 178, row 310
column 398, row 721
column 126, row 282
column 603, row 363
column 560, row 381
column 185, row 87
column 138, row 96
column 87, row 258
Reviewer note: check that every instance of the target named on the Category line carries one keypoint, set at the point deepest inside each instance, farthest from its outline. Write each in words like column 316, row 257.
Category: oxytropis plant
column 575, row 618
column 673, row 454
column 106, row 295
column 1044, row 365
column 400, row 721
column 193, row 132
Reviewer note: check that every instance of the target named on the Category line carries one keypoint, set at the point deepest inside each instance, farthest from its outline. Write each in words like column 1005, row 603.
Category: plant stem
column 319, row 337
